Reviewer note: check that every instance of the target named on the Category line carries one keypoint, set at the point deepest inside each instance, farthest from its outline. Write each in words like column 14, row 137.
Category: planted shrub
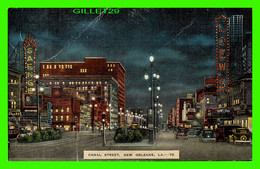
column 40, row 136
column 122, row 136
column 37, row 136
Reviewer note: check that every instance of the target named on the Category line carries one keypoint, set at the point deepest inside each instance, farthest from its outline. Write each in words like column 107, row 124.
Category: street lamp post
column 154, row 76
column 92, row 113
column 103, row 121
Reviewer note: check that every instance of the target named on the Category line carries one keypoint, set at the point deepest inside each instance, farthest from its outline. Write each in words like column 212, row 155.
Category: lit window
column 62, row 66
column 111, row 70
column 56, row 119
column 47, row 66
column 67, row 118
column 80, row 70
column 12, row 80
column 61, row 109
column 69, row 83
column 83, row 88
column 72, row 83
column 61, row 118
column 92, row 82
column 50, row 83
column 54, row 66
column 86, row 70
column 83, row 83
column 56, row 110
column 110, row 65
column 113, row 65
column 66, row 66
column 59, row 66
column 107, row 65
column 76, row 83
column 71, row 66
column 97, row 83
column 12, row 93
column 63, row 83
column 50, row 66
column 43, row 66
column 51, row 117
column 68, row 109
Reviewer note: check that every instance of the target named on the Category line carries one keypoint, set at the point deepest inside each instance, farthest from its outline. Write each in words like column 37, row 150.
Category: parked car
column 13, row 133
column 182, row 133
column 207, row 135
column 166, row 130
column 195, row 132
column 241, row 134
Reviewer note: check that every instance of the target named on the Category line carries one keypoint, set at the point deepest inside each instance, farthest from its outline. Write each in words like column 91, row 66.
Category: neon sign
column 30, row 48
column 222, row 53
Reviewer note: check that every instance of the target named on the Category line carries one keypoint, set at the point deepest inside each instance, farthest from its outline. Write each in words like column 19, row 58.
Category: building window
column 67, row 118
column 111, row 70
column 54, row 66
column 12, row 93
column 69, row 83
column 62, row 66
column 207, row 100
column 62, row 109
column 61, row 118
column 56, row 110
column 50, row 83
column 63, row 83
column 47, row 66
column 71, row 66
column 51, row 117
column 43, row 66
column 66, row 66
column 50, row 66
column 107, row 65
column 14, row 81
column 83, row 83
column 68, row 109
column 56, row 118
column 113, row 65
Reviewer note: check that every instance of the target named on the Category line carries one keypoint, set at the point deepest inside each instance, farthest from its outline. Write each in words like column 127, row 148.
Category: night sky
column 181, row 40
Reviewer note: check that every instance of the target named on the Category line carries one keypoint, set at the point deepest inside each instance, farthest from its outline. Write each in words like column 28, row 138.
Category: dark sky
column 181, row 40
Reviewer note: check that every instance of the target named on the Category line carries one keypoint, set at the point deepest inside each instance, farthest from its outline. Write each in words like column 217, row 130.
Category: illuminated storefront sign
column 30, row 48
column 222, row 53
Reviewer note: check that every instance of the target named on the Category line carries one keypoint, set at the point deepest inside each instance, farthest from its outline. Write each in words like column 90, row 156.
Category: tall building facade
column 236, row 45
column 93, row 76
column 14, row 96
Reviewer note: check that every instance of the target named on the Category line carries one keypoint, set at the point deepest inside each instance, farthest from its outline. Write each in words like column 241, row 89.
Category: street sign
column 49, row 106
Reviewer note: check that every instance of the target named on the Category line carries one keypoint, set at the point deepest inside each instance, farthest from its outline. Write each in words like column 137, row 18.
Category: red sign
column 222, row 53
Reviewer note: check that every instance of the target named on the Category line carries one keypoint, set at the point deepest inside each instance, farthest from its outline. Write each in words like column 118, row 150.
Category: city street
column 70, row 148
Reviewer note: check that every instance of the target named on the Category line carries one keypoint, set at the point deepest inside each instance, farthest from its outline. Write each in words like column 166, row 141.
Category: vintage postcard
column 129, row 84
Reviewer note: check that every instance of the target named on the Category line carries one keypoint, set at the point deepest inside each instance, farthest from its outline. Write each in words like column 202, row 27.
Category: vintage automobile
column 182, row 133
column 224, row 131
column 13, row 133
column 207, row 135
column 240, row 134
column 194, row 132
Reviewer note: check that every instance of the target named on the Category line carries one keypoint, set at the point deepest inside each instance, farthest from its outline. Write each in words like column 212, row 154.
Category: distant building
column 236, row 45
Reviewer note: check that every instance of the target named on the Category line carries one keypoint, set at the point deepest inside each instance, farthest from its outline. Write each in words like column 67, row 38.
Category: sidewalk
column 143, row 143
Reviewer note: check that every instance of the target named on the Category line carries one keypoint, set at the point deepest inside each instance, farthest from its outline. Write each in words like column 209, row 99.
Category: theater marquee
column 222, row 53
column 30, row 48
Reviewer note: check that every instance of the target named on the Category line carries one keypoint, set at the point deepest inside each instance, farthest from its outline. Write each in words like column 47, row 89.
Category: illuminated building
column 14, row 95
column 85, row 77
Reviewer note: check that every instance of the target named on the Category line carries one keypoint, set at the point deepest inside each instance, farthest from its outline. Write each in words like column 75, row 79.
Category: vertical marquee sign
column 222, row 53
column 30, row 48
